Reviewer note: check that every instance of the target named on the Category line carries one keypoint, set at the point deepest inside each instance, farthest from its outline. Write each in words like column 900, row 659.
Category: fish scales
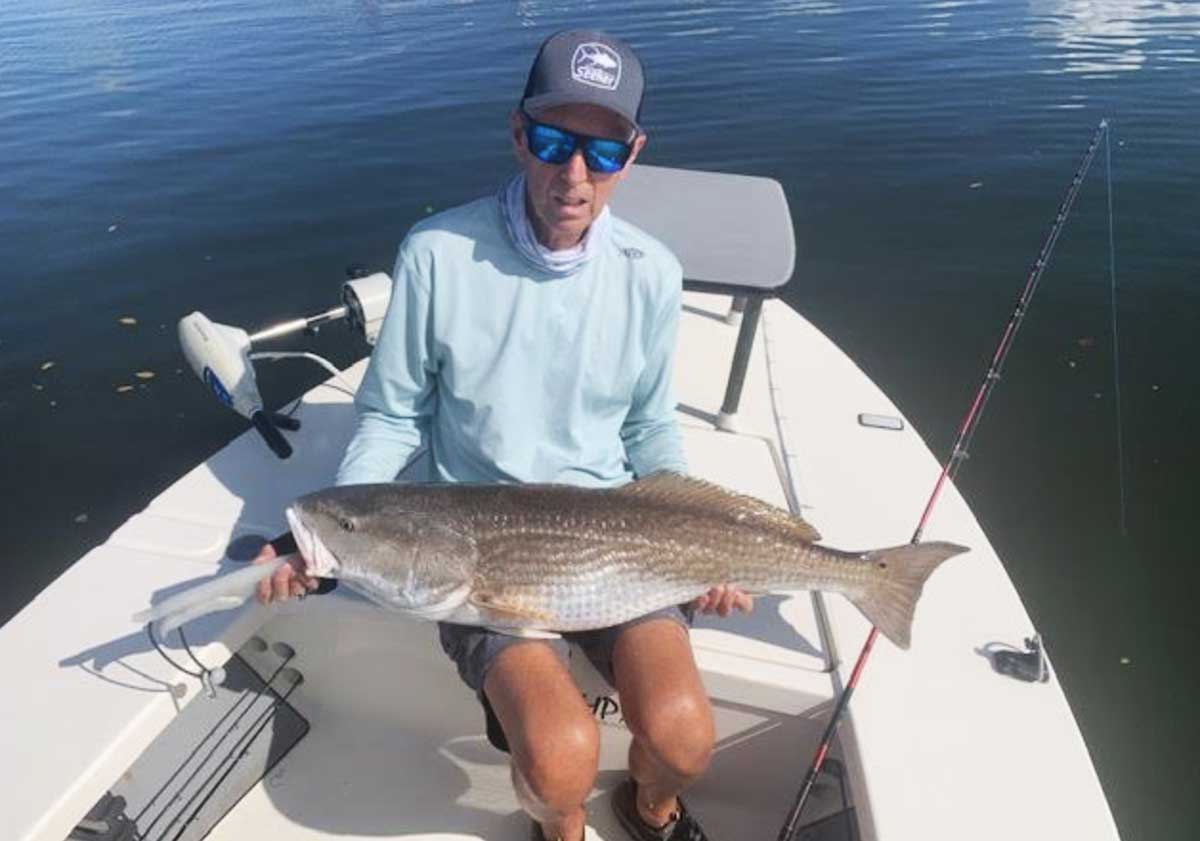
column 564, row 558
column 551, row 558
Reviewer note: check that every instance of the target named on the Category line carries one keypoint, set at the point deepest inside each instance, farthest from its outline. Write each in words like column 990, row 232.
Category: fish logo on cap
column 597, row 65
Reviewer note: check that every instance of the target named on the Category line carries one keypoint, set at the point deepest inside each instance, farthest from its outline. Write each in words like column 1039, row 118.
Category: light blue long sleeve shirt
column 511, row 374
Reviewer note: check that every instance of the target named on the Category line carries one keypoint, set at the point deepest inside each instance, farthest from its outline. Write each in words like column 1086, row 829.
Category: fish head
column 419, row 560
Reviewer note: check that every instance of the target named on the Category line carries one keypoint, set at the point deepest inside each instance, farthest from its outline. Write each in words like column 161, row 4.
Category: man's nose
column 575, row 168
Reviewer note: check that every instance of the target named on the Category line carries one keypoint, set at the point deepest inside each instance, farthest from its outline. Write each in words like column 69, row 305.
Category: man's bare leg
column 668, row 712
column 552, row 736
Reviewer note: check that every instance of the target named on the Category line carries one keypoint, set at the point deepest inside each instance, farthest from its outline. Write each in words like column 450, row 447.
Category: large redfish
column 549, row 558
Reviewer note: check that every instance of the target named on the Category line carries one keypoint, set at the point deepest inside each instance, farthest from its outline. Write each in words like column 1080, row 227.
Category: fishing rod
column 958, row 452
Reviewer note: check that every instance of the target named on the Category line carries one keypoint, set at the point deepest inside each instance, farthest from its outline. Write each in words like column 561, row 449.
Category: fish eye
column 346, row 523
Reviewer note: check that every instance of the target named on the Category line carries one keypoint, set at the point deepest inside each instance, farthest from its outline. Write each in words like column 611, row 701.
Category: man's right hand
column 289, row 580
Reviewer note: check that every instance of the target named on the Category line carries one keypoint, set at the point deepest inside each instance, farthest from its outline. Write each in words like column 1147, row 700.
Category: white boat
column 336, row 719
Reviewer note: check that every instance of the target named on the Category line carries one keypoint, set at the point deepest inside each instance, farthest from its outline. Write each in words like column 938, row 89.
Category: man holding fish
column 530, row 339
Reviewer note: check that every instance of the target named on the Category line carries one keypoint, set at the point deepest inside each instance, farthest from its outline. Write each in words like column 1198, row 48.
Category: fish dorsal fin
column 676, row 488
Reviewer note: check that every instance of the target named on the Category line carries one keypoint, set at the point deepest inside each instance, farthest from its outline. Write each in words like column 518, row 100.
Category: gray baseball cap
column 587, row 67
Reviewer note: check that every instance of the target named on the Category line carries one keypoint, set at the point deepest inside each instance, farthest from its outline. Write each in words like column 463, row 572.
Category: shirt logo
column 633, row 253
column 597, row 65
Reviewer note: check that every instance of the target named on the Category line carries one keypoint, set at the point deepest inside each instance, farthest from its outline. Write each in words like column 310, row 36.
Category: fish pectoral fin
column 489, row 603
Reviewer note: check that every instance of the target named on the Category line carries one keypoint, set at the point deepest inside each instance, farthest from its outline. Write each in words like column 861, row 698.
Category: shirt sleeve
column 396, row 399
column 650, row 432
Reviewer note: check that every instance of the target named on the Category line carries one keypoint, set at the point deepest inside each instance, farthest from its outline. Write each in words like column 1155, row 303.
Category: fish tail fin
column 891, row 596
column 223, row 592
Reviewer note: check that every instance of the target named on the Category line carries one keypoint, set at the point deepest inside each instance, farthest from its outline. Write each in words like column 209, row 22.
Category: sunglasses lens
column 548, row 144
column 606, row 155
column 554, row 146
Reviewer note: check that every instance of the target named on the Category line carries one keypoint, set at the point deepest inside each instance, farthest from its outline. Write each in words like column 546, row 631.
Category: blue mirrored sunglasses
column 553, row 145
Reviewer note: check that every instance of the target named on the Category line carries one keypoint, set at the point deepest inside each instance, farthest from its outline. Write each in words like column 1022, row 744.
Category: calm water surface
column 157, row 158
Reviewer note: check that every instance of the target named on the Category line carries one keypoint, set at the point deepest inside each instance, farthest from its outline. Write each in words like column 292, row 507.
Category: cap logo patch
column 597, row 65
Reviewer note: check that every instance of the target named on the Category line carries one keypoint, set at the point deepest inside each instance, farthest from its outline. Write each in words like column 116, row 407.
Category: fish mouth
column 318, row 560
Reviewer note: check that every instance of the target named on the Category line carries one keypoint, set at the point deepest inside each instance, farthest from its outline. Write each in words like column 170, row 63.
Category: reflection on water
column 1103, row 37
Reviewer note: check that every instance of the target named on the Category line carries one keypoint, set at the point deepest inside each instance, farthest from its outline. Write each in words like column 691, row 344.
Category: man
column 530, row 338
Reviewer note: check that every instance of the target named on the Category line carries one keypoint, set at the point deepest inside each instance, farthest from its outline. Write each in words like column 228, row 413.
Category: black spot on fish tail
column 891, row 596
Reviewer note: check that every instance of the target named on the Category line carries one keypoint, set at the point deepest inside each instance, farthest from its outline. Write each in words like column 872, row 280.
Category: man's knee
column 679, row 733
column 558, row 764
column 554, row 740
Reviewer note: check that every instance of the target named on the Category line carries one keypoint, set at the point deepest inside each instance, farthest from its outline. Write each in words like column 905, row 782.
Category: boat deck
column 395, row 747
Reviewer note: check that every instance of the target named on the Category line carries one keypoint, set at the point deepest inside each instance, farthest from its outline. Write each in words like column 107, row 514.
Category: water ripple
column 1103, row 37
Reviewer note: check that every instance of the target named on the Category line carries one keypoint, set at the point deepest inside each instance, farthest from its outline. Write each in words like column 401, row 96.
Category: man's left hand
column 722, row 600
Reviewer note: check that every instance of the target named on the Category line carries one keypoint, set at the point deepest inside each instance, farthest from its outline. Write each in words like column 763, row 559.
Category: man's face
column 563, row 199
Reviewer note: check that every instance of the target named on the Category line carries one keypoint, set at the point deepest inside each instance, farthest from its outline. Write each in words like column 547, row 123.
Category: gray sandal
column 682, row 826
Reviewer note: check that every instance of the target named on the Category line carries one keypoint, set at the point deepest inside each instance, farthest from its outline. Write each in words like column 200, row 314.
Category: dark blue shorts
column 474, row 649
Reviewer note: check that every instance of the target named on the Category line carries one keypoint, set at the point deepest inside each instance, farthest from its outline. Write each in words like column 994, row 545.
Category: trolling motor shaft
column 220, row 353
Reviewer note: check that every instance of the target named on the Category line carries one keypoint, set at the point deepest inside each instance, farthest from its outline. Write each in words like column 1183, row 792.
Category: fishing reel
column 222, row 357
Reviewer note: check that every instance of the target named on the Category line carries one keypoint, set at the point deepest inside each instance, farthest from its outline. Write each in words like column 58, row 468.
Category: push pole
column 958, row 452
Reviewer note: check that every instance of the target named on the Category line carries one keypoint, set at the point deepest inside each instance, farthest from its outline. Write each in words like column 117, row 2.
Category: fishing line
column 966, row 433
column 1112, row 276
column 958, row 453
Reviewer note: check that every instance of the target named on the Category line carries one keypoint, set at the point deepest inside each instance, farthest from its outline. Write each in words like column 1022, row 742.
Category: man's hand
column 289, row 580
column 722, row 600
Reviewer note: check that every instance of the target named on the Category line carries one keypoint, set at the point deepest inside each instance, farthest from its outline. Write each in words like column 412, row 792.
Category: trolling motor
column 221, row 356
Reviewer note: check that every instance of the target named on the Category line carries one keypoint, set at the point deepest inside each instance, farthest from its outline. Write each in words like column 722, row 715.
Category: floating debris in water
column 53, row 403
column 1071, row 363
column 1125, row 661
column 112, row 228
column 1154, row 387
column 38, row 387
column 127, row 320
column 1097, row 394
column 975, row 185
column 208, row 258
column 81, row 518
column 145, row 375
column 46, row 366
column 122, row 389
column 178, row 370
column 428, row 208
column 1086, row 341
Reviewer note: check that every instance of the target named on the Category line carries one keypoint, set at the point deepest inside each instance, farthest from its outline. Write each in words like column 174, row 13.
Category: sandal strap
column 682, row 826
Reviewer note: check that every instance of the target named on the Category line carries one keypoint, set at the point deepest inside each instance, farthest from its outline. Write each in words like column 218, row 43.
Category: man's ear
column 638, row 143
